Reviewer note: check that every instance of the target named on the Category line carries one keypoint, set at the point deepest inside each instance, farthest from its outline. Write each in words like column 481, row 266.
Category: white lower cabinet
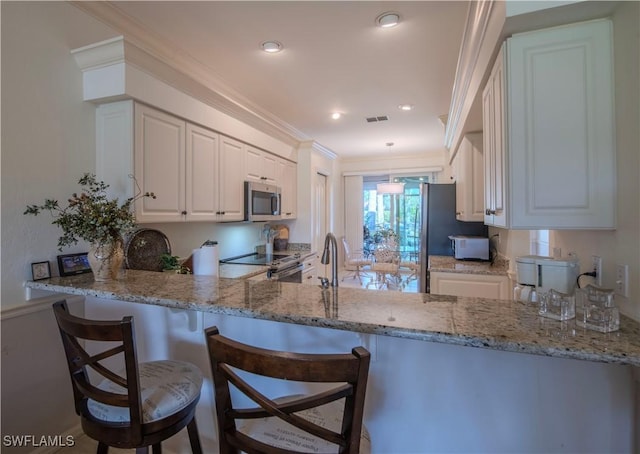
column 310, row 272
column 470, row 285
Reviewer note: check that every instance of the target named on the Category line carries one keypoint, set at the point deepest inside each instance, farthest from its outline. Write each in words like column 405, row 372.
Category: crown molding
column 478, row 35
column 313, row 145
column 156, row 56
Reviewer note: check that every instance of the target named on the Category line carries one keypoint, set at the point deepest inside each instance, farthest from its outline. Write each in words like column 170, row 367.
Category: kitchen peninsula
column 423, row 396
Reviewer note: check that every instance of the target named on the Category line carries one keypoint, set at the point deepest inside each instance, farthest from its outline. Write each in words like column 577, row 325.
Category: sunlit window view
column 391, row 217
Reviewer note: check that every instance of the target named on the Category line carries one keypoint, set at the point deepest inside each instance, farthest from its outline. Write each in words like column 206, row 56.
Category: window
column 397, row 215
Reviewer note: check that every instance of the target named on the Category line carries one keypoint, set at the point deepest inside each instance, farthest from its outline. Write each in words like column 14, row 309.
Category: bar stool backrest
column 349, row 371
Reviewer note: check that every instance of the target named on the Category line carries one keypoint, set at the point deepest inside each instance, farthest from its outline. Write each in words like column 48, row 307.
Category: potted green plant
column 91, row 216
column 172, row 263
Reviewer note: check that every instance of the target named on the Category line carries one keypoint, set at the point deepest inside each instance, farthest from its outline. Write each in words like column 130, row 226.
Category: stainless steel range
column 282, row 267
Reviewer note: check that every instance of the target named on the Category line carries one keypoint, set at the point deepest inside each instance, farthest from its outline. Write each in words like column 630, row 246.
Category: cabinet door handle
column 184, row 213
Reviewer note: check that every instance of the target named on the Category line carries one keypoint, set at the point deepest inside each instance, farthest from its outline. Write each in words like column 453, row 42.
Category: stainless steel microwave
column 262, row 202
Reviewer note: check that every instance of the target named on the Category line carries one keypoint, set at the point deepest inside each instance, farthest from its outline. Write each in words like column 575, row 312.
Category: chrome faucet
column 330, row 240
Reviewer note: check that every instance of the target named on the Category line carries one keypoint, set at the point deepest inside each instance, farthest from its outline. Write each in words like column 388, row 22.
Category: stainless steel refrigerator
column 438, row 222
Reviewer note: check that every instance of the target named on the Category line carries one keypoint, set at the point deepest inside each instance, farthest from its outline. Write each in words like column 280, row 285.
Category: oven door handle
column 279, row 274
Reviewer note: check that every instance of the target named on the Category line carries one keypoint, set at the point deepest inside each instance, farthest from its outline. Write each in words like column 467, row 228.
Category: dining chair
column 325, row 421
column 413, row 266
column 137, row 406
column 386, row 267
column 354, row 263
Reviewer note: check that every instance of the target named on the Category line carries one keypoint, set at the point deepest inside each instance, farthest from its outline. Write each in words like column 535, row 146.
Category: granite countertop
column 447, row 264
column 237, row 271
column 475, row 322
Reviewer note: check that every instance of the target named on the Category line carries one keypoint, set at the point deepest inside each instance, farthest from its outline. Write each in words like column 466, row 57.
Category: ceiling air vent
column 375, row 119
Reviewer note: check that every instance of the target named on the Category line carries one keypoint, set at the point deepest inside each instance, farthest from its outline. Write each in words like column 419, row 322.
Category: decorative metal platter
column 144, row 249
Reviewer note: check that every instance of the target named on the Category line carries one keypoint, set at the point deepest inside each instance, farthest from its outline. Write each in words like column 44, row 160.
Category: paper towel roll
column 205, row 261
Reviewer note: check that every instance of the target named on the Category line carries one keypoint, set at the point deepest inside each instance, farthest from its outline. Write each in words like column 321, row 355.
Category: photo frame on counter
column 40, row 270
column 72, row 264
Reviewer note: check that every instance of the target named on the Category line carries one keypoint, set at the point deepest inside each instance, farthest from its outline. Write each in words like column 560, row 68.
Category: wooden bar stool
column 327, row 421
column 136, row 407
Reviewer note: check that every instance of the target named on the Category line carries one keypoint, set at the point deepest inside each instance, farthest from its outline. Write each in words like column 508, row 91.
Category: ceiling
column 335, row 59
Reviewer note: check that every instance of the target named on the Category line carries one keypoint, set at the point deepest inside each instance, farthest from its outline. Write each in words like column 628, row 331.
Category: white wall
column 47, row 130
column 36, row 390
column 47, row 144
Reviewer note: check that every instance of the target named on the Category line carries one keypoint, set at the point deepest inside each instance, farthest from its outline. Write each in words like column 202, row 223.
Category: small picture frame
column 72, row 264
column 40, row 270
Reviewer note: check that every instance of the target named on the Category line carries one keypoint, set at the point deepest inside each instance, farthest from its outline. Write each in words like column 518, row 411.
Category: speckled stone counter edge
column 473, row 322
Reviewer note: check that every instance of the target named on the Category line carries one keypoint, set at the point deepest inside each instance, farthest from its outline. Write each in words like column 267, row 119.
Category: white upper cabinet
column 159, row 165
column 468, row 173
column 195, row 173
column 288, row 181
column 557, row 139
column 261, row 166
column 494, row 153
column 202, row 168
column 231, row 177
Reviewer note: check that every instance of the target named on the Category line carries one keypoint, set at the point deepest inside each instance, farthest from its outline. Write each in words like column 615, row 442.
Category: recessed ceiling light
column 336, row 115
column 388, row 19
column 271, row 46
column 405, row 107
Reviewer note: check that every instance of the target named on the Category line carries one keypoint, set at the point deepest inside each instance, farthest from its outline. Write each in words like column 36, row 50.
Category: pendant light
column 390, row 188
column 394, row 188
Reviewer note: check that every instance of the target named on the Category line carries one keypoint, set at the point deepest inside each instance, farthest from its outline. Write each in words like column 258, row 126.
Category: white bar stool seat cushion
column 166, row 387
column 278, row 433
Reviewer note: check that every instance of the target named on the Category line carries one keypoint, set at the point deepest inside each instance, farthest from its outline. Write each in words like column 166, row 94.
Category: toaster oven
column 467, row 247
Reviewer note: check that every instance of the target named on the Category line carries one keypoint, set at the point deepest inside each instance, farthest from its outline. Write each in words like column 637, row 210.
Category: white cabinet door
column 202, row 167
column 548, row 119
column 561, row 127
column 159, row 165
column 260, row 166
column 495, row 175
column 469, row 178
column 232, row 172
column 288, row 182
column 469, row 285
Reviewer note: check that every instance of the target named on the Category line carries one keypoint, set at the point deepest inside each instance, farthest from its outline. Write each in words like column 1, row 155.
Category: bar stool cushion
column 166, row 387
column 276, row 432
